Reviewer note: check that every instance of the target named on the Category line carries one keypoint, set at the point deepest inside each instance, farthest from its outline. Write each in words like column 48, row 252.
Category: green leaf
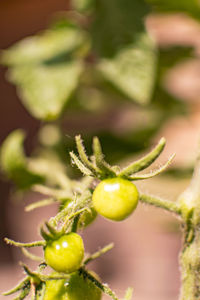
column 45, row 90
column 83, row 5
column 191, row 7
column 43, row 47
column 13, row 161
column 116, row 24
column 46, row 69
column 133, row 69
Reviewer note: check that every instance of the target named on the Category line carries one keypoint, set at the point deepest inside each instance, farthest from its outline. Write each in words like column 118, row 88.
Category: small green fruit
column 65, row 254
column 76, row 288
column 115, row 198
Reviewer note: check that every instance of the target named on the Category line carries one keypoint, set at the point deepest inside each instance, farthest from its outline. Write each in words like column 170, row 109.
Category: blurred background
column 127, row 71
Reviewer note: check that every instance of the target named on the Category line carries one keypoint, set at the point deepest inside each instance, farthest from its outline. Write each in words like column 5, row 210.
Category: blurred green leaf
column 191, row 7
column 127, row 55
column 169, row 105
column 13, row 161
column 44, row 46
column 133, row 69
column 83, row 5
column 45, row 90
column 46, row 69
column 116, row 24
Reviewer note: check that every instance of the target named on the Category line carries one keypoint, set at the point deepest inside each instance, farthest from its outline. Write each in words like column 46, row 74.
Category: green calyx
column 97, row 167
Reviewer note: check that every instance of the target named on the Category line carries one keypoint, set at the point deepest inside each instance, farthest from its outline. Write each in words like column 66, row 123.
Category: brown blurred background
column 147, row 244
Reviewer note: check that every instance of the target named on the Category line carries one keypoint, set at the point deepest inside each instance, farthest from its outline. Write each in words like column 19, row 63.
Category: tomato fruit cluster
column 115, row 198
column 66, row 253
column 76, row 288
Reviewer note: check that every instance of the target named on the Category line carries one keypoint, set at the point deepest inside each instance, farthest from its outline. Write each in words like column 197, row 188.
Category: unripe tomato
column 86, row 217
column 66, row 253
column 55, row 289
column 115, row 198
column 76, row 288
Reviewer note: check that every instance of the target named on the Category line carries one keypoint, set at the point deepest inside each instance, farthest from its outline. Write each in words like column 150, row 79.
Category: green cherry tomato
column 65, row 254
column 115, row 198
column 86, row 217
column 80, row 288
column 76, row 288
column 55, row 289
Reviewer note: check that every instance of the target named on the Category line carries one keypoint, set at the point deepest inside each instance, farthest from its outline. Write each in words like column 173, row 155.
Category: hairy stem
column 103, row 287
column 190, row 255
column 190, row 268
column 158, row 202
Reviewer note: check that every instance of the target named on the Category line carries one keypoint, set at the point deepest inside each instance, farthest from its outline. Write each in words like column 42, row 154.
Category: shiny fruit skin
column 76, row 288
column 115, row 198
column 66, row 253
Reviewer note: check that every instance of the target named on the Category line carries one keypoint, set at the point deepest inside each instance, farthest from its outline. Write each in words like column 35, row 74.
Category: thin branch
column 58, row 193
column 104, row 287
column 25, row 291
column 17, row 244
column 41, row 203
column 145, row 161
column 17, row 288
column 31, row 256
column 98, row 253
column 158, row 202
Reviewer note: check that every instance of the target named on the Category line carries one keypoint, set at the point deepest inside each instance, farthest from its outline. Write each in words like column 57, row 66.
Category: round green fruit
column 76, row 288
column 55, row 289
column 65, row 254
column 115, row 198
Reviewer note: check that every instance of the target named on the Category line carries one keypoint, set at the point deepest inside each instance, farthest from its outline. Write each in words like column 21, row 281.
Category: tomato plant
column 66, row 253
column 115, row 198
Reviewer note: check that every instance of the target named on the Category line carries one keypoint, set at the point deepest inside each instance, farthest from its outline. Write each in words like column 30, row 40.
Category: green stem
column 190, row 267
column 31, row 256
column 190, row 255
column 38, row 204
column 20, row 286
column 17, row 244
column 103, row 287
column 98, row 253
column 158, row 202
column 75, row 224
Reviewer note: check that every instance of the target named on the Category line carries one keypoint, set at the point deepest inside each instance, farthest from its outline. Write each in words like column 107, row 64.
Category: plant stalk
column 190, row 255
column 190, row 268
